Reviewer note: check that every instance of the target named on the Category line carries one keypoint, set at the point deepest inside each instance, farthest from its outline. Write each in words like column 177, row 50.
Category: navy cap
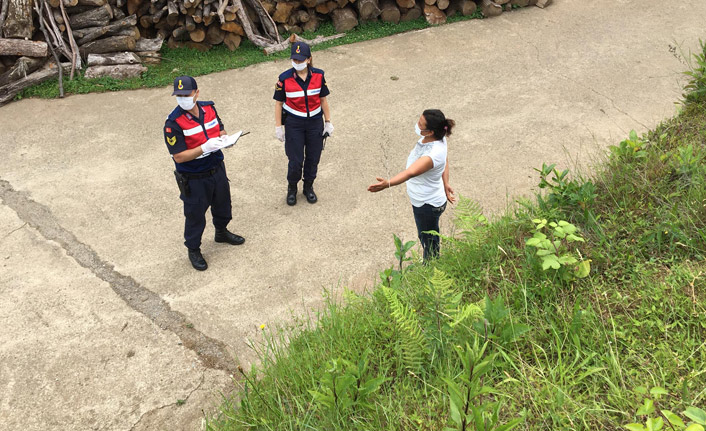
column 184, row 85
column 300, row 51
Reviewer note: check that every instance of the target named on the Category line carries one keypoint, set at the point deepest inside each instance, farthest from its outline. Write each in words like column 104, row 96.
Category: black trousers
column 214, row 192
column 427, row 219
column 303, row 145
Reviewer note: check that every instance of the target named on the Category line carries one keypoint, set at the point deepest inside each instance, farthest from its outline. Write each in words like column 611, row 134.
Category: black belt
column 200, row 175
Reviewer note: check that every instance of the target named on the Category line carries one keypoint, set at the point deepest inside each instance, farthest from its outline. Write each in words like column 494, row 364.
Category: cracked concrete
column 532, row 86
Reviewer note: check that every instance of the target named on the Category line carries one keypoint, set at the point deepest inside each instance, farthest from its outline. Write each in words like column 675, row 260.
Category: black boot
column 223, row 235
column 197, row 260
column 309, row 192
column 292, row 194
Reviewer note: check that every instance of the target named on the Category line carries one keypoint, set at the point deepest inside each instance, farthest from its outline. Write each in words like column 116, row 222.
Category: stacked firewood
column 39, row 39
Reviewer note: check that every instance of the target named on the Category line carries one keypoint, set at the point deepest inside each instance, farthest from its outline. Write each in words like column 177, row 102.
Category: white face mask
column 299, row 66
column 186, row 102
column 417, row 130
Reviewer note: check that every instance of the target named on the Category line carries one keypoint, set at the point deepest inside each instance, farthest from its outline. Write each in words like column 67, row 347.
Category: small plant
column 401, row 250
column 655, row 418
column 686, row 162
column 471, row 405
column 554, row 251
column 345, row 385
column 695, row 89
column 631, row 148
column 564, row 194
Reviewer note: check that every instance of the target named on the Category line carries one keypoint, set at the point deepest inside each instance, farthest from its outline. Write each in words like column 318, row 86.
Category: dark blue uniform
column 303, row 121
column 207, row 180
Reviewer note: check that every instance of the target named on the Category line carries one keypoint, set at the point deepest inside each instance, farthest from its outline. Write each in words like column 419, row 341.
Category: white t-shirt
column 428, row 188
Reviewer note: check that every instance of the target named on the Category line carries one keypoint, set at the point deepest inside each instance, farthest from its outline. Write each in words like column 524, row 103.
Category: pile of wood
column 40, row 39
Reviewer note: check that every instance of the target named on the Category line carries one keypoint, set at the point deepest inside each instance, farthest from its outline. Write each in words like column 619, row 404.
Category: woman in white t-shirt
column 427, row 177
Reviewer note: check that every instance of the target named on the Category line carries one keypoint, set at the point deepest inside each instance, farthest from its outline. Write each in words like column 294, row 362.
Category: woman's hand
column 449, row 193
column 382, row 184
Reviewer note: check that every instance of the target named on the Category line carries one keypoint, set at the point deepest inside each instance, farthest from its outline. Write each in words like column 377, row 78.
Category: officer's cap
column 300, row 51
column 184, row 85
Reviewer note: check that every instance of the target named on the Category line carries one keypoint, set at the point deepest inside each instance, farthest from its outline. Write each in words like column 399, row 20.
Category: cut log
column 313, row 24
column 406, row 4
column 198, row 35
column 119, row 71
column 283, row 10
column 368, row 9
column 411, row 14
column 18, row 21
column 490, row 8
column 133, row 6
column 214, row 35
column 520, row 3
column 434, row 15
column 465, row 7
column 149, row 44
column 85, row 35
column 543, row 3
column 389, row 12
column 326, row 8
column 501, row 2
column 232, row 41
column 190, row 24
column 21, row 47
column 180, row 33
column 344, row 19
column 430, row 2
column 97, row 17
column 8, row 92
column 22, row 67
column 110, row 44
column 233, row 27
column 442, row 4
column 283, row 46
column 112, row 58
column 173, row 12
column 92, row 2
column 67, row 3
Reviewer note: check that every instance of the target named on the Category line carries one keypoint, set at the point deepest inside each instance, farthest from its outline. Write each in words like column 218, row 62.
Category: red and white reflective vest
column 301, row 103
column 195, row 134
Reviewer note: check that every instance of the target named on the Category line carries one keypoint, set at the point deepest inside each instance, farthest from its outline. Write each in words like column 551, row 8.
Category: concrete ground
column 105, row 324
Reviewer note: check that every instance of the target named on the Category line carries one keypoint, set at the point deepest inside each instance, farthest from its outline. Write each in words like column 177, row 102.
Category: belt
column 200, row 175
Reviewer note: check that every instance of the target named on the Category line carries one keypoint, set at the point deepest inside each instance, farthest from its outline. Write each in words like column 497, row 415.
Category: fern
column 414, row 344
column 470, row 220
column 469, row 311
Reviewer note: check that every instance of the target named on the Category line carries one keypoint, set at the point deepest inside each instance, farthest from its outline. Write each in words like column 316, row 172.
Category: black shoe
column 309, row 192
column 223, row 235
column 292, row 195
column 197, row 260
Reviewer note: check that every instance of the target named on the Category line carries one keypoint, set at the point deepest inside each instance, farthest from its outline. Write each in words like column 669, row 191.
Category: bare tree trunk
column 113, row 58
column 18, row 21
column 118, row 71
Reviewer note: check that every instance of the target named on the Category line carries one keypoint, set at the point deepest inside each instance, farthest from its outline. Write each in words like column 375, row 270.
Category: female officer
column 427, row 177
column 300, row 96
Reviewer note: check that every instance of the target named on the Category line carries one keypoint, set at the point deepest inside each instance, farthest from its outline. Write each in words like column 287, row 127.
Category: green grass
column 187, row 61
column 563, row 353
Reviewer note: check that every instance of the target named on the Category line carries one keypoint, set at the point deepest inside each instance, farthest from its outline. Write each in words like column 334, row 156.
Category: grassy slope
column 637, row 320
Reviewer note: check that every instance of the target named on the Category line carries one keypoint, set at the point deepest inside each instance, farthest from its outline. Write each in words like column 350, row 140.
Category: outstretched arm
column 417, row 168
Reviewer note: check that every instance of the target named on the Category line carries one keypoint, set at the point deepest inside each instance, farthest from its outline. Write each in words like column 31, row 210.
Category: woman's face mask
column 299, row 66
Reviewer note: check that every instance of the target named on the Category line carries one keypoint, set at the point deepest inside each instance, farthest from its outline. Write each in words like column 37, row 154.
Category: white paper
column 231, row 139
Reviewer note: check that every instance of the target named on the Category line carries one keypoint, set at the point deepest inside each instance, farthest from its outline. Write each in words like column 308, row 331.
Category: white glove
column 213, row 144
column 279, row 132
column 328, row 128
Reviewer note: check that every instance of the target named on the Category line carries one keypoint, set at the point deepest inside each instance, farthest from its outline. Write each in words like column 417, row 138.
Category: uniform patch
column 168, row 130
column 171, row 140
column 278, row 86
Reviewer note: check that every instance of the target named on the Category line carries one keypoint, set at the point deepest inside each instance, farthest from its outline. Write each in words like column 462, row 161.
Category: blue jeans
column 427, row 219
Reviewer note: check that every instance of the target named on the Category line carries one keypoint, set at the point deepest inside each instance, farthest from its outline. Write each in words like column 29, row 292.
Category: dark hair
column 438, row 123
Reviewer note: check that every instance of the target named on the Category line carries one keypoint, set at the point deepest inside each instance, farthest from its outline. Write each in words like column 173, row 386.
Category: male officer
column 192, row 133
